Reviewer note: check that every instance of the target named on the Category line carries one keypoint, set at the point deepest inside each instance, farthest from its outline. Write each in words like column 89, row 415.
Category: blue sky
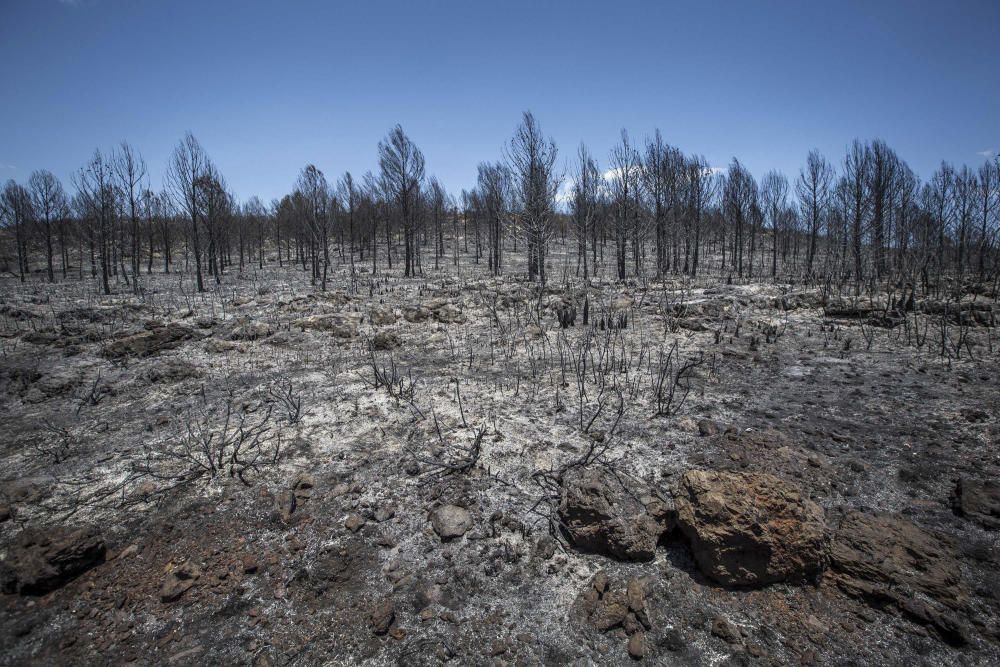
column 268, row 87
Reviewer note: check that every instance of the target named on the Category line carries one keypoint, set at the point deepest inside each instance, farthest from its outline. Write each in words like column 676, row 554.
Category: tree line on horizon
column 650, row 211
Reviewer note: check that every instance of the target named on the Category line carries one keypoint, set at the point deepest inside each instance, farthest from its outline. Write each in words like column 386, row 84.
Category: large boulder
column 978, row 501
column 874, row 555
column 42, row 560
column 885, row 559
column 600, row 515
column 748, row 529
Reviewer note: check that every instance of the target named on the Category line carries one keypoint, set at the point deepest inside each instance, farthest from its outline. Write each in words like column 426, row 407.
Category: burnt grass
column 326, row 515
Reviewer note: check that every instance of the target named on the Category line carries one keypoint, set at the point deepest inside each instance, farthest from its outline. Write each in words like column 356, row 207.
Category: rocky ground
column 421, row 471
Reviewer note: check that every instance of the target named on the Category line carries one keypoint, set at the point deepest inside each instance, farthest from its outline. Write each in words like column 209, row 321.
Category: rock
column 150, row 342
column 948, row 625
column 600, row 582
column 605, row 609
column 672, row 640
column 748, row 529
column 384, row 513
column 610, row 612
column 601, row 516
column 250, row 565
column 303, row 487
column 42, row 560
column 707, row 427
column 381, row 316
column 847, row 309
column 381, row 617
column 886, row 559
column 285, row 502
column 637, row 645
column 449, row 313
column 127, row 552
column 385, row 340
column 249, row 330
column 545, row 547
column 637, row 601
column 873, row 554
column 172, row 370
column 216, row 346
column 451, row 521
column 416, row 313
column 27, row 489
column 978, row 501
column 340, row 325
column 179, row 579
column 354, row 522
column 725, row 630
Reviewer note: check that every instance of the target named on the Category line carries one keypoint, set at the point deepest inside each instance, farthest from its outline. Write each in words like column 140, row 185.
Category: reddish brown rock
column 749, row 529
column 42, row 560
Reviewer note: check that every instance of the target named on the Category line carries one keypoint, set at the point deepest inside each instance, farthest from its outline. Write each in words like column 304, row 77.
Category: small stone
column 354, row 522
column 303, row 486
column 636, row 596
column 451, row 521
column 725, row 630
column 249, row 564
column 285, row 503
column 381, row 617
column 600, row 582
column 707, row 427
column 130, row 550
column 179, row 579
column 637, row 645
column 610, row 612
column 673, row 640
column 545, row 548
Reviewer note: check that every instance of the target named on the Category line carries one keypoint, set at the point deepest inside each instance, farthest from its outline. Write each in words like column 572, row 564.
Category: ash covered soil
column 433, row 470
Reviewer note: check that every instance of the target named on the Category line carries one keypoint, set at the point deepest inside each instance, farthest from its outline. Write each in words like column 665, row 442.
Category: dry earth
column 801, row 506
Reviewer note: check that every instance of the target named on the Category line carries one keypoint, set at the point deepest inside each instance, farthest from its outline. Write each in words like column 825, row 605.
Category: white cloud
column 986, row 154
column 7, row 166
column 565, row 194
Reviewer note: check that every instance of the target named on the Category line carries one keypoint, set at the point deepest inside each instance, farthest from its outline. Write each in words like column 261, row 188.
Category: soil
column 314, row 543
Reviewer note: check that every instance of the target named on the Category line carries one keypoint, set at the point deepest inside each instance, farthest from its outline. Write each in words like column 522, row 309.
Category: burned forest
column 366, row 335
column 641, row 410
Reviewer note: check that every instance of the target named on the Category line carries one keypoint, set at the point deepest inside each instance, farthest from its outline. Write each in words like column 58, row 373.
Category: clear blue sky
column 268, row 87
